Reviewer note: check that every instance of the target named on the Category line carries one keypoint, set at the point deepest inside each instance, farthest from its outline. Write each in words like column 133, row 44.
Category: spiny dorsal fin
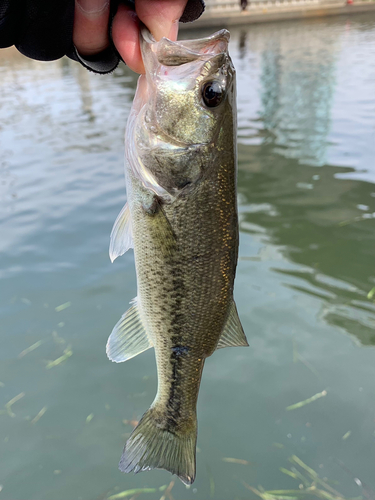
column 233, row 334
column 121, row 235
column 129, row 337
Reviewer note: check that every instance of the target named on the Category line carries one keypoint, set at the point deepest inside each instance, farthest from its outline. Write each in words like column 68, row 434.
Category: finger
column 161, row 16
column 125, row 36
column 90, row 31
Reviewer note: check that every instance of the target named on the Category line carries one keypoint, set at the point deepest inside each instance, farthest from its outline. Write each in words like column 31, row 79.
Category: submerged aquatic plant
column 310, row 485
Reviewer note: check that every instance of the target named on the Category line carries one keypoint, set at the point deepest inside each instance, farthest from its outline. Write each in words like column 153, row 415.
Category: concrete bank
column 229, row 13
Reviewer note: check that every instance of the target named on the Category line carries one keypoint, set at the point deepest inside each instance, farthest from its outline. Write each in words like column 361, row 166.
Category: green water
column 306, row 199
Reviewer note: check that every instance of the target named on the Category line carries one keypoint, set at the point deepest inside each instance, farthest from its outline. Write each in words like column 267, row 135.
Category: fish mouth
column 176, row 53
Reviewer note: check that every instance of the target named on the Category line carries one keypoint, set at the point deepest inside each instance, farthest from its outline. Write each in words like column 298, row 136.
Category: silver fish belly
column 181, row 220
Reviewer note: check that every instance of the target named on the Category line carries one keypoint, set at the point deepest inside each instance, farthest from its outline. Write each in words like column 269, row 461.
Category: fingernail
column 163, row 27
column 92, row 8
column 173, row 33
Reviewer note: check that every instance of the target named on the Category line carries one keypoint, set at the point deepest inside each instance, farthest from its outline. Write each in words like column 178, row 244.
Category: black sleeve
column 43, row 30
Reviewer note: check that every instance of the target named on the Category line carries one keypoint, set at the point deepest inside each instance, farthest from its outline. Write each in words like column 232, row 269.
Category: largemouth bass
column 181, row 220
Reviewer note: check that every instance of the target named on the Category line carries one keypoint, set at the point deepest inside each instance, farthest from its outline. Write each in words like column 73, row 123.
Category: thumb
column 161, row 16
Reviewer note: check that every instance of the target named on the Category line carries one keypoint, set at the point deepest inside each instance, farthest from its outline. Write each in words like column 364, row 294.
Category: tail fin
column 152, row 447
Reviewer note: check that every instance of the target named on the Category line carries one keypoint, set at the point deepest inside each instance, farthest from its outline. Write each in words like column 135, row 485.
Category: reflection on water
column 297, row 88
column 331, row 230
column 306, row 121
column 314, row 219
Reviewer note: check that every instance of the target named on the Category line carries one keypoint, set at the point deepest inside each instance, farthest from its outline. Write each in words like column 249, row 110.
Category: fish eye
column 212, row 94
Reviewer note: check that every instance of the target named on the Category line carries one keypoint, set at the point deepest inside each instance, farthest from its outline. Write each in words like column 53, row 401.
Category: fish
column 181, row 219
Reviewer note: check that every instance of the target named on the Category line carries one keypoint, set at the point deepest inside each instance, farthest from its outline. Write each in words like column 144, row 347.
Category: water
column 306, row 193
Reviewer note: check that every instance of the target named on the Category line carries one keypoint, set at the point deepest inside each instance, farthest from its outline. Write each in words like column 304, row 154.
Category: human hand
column 91, row 17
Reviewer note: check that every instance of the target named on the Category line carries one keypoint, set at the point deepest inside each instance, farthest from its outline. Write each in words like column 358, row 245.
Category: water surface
column 306, row 127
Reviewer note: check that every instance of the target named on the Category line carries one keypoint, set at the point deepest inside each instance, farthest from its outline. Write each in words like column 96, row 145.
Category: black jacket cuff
column 102, row 63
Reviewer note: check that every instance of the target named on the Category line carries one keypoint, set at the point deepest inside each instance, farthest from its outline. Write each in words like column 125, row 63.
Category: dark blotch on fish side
column 180, row 350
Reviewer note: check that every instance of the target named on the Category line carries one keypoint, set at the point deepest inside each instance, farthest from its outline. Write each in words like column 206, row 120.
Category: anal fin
column 121, row 235
column 129, row 337
column 233, row 334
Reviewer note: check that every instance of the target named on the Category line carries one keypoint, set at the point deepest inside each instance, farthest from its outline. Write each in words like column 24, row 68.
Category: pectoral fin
column 121, row 235
column 233, row 334
column 129, row 337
